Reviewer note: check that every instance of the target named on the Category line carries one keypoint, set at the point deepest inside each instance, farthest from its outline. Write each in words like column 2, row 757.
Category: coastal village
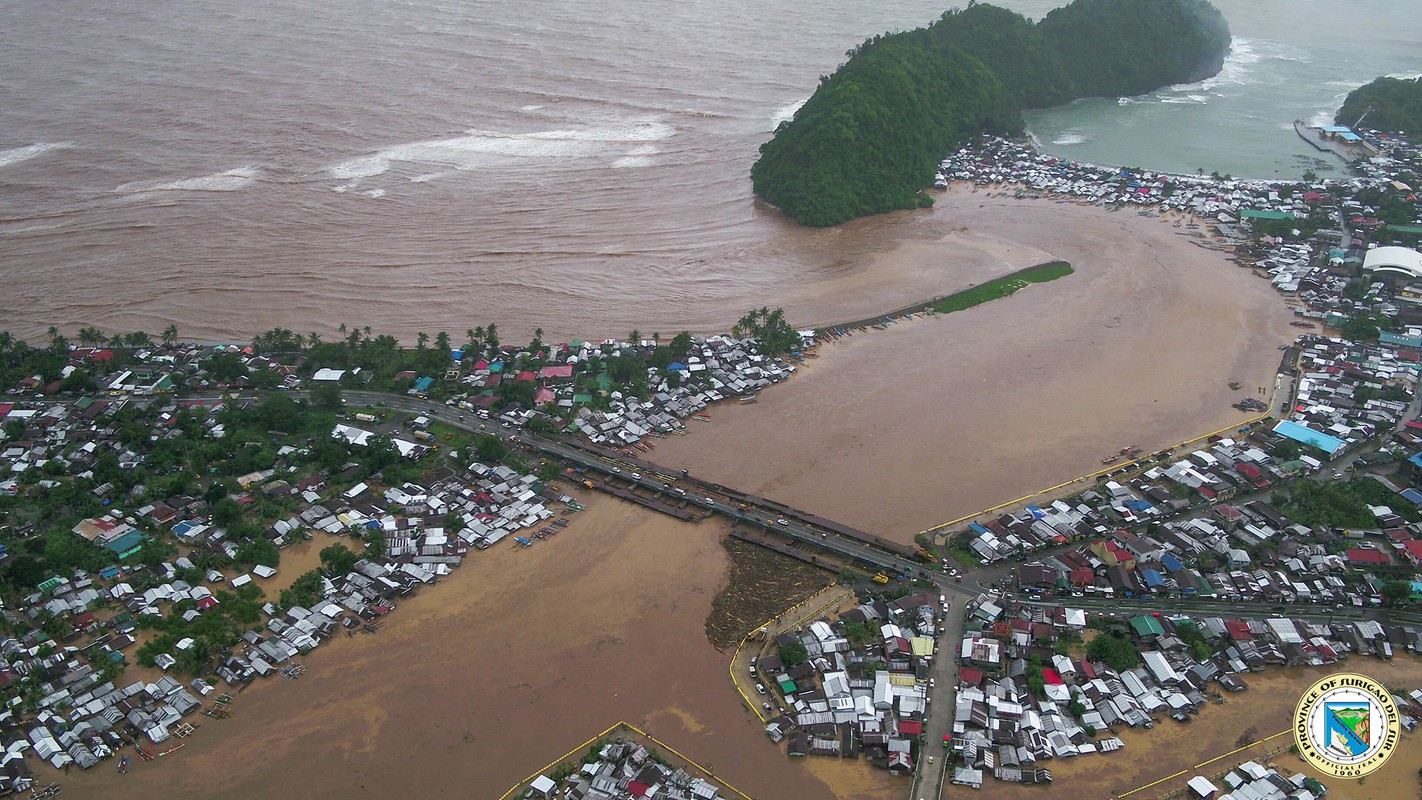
column 178, row 577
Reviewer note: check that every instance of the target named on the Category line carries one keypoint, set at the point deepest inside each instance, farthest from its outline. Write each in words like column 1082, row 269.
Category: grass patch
column 967, row 558
column 1002, row 287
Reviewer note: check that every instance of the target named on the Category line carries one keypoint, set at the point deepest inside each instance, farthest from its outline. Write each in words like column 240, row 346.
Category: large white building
column 1398, row 261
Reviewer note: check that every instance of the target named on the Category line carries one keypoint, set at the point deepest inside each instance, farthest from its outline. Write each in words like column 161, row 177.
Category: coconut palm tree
column 170, row 335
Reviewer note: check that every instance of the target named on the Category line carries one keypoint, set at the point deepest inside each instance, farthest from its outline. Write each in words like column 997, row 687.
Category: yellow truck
column 881, row 578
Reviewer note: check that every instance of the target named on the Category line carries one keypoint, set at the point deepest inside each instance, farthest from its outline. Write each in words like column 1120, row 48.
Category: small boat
column 522, row 542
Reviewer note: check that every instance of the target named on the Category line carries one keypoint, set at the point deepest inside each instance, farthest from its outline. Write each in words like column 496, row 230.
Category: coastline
column 992, row 416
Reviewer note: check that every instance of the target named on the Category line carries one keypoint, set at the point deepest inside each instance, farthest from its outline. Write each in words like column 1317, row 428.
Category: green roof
column 1250, row 213
column 787, row 686
column 127, row 544
column 1147, row 626
column 1405, row 228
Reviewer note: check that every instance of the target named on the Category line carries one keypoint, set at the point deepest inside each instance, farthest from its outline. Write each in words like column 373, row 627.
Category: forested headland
column 870, row 138
column 1386, row 104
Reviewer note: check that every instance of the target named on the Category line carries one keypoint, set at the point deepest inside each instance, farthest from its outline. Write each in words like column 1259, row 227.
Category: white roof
column 328, row 375
column 1394, row 259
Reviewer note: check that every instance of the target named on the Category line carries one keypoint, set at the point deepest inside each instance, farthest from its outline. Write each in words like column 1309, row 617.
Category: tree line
column 870, row 138
column 1386, row 104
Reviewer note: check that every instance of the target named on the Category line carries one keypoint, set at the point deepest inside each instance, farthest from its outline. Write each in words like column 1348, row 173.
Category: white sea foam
column 785, row 113
column 365, row 167
column 477, row 149
column 1242, row 56
column 29, row 151
column 228, row 181
column 1069, row 138
column 376, row 193
column 529, row 108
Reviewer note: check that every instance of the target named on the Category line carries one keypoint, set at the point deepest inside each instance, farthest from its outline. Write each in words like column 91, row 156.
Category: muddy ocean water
column 576, row 166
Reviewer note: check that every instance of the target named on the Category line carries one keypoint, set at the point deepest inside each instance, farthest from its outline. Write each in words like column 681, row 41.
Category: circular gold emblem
column 1346, row 725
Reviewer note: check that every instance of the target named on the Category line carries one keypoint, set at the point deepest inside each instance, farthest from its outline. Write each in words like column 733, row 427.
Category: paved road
column 930, row 779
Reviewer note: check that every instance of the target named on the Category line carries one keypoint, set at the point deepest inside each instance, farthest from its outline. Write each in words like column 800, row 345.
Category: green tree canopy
column 870, row 138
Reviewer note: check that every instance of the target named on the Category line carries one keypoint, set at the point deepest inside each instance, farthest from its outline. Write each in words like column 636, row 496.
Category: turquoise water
column 1290, row 59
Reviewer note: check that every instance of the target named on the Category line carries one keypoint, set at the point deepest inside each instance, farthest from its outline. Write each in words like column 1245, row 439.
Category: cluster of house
column 1253, row 781
column 624, row 770
column 717, row 368
column 864, row 695
column 995, row 161
column 1006, row 728
column 75, row 716
column 1348, row 394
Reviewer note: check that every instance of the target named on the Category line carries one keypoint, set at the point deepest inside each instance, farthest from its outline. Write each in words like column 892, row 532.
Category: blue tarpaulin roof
column 1170, row 562
column 976, row 528
column 1036, row 513
column 1302, row 433
column 1137, row 505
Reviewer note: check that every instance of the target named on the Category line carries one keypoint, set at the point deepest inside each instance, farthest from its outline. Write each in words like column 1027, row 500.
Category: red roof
column 1247, row 470
column 206, row 603
column 1414, row 549
column 638, row 789
column 1088, row 671
column 1359, row 555
column 1238, row 630
column 970, row 675
column 526, row 375
column 910, row 727
column 565, row 371
column 1052, row 678
column 6, row 408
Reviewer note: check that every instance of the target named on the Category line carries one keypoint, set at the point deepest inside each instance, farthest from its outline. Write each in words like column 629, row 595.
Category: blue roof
column 423, row 384
column 1302, row 433
column 1036, row 513
column 457, row 355
column 1152, row 578
column 1401, row 340
column 976, row 528
column 1170, row 562
column 126, row 543
column 1137, row 505
column 1412, row 496
column 1337, row 128
column 1416, row 460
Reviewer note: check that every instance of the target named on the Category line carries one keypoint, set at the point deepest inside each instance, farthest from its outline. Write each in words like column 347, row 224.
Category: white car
column 760, row 687
column 636, row 476
column 782, row 521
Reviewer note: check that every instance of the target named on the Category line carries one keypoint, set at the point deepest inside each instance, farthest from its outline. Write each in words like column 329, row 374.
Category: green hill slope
column 871, row 136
